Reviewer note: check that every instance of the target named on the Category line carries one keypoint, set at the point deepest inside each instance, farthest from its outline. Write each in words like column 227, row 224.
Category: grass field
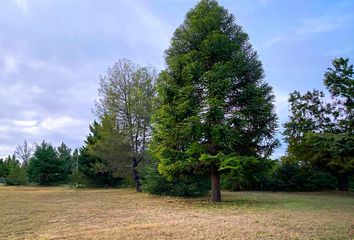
column 61, row 213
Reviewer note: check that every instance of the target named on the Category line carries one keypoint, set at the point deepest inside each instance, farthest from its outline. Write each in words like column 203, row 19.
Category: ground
column 63, row 213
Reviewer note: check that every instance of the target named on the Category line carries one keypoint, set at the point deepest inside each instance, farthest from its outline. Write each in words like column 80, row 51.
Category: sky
column 53, row 52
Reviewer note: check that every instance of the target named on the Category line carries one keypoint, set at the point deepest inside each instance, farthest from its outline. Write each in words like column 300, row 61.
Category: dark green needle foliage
column 104, row 159
column 64, row 155
column 45, row 168
column 213, row 105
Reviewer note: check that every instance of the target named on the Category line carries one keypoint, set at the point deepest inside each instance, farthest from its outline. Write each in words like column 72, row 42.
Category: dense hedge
column 187, row 186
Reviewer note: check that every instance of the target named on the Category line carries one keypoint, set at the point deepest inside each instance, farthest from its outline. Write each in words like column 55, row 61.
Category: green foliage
column 331, row 151
column 322, row 132
column 78, row 180
column 111, row 148
column 11, row 172
column 64, row 156
column 212, row 100
column 309, row 114
column 2, row 168
column 300, row 176
column 251, row 174
column 7, row 164
column 126, row 95
column 17, row 176
column 186, row 186
column 287, row 175
column 104, row 160
column 45, row 168
column 340, row 83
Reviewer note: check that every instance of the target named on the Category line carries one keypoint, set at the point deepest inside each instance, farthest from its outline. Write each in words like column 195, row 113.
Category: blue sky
column 52, row 53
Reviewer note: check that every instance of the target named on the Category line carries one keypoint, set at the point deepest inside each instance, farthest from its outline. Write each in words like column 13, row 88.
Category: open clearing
column 62, row 213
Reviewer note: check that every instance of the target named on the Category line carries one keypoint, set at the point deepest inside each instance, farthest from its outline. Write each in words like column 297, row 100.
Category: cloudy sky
column 52, row 53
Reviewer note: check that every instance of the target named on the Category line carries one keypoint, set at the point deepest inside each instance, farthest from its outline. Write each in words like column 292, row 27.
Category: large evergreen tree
column 214, row 106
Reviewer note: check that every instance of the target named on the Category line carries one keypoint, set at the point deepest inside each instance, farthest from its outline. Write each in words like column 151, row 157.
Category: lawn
column 62, row 213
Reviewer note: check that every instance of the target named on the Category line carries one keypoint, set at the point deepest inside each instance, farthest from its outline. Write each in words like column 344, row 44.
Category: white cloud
column 321, row 24
column 5, row 150
column 9, row 64
column 22, row 5
column 281, row 101
column 60, row 123
column 309, row 27
column 25, row 123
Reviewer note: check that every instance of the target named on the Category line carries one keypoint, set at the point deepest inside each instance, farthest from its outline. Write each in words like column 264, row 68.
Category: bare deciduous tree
column 24, row 152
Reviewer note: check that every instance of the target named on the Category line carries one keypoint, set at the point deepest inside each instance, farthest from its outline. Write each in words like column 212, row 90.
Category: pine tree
column 104, row 159
column 44, row 167
column 213, row 103
column 64, row 155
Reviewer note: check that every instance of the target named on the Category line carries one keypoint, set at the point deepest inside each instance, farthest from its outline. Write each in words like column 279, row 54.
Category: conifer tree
column 213, row 105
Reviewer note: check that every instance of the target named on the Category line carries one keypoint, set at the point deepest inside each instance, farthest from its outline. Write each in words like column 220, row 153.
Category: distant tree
column 64, row 155
column 111, row 147
column 309, row 113
column 24, row 152
column 340, row 83
column 126, row 94
column 93, row 167
column 17, row 176
column 300, row 176
column 322, row 131
column 75, row 160
column 214, row 107
column 2, row 169
column 7, row 164
column 44, row 167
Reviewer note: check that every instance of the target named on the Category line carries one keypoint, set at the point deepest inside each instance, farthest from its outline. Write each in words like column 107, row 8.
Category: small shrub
column 17, row 176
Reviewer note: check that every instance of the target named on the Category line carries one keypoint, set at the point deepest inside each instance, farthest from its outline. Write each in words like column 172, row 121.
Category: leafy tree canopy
column 321, row 131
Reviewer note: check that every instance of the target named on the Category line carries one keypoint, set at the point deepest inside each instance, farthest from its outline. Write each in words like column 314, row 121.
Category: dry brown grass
column 61, row 213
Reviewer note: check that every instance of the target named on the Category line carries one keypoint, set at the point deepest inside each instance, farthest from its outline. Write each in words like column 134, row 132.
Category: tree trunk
column 215, row 185
column 343, row 182
column 136, row 175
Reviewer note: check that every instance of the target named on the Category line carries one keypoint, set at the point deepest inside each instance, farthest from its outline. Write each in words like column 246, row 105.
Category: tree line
column 207, row 122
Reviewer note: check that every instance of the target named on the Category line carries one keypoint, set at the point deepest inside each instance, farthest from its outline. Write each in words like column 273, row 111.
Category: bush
column 191, row 186
column 17, row 176
column 2, row 180
column 351, row 183
column 260, row 174
column 301, row 176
